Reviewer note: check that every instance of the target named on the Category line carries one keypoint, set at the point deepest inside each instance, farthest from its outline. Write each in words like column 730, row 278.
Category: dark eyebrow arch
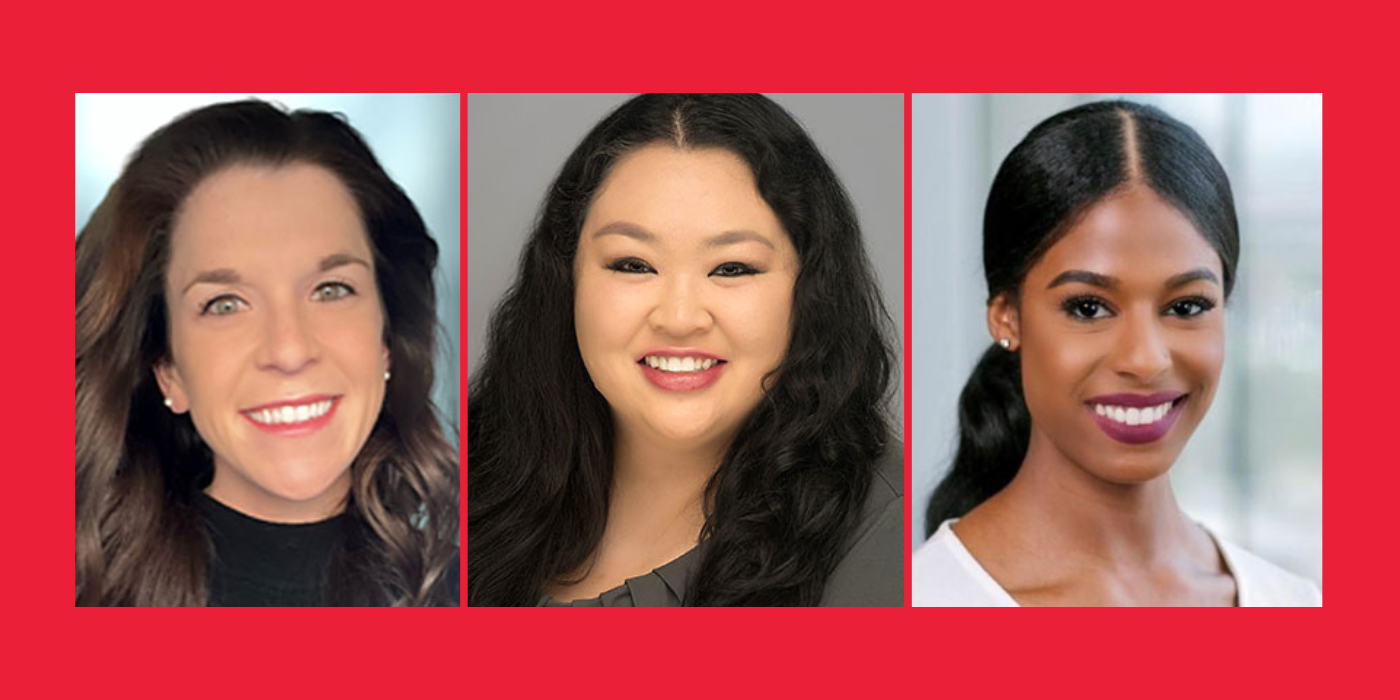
column 732, row 237
column 222, row 275
column 330, row 262
column 1090, row 278
column 1185, row 278
column 624, row 228
column 633, row 231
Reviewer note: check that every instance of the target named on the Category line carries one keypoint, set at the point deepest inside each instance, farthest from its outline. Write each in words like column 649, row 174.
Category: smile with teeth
column 1133, row 416
column 679, row 364
column 290, row 415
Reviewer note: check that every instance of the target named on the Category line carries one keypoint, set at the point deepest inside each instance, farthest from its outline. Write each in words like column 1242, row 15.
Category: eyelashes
column 637, row 266
column 1087, row 307
column 229, row 304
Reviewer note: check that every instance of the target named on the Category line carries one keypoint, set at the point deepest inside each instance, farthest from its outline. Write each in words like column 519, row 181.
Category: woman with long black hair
column 682, row 399
column 1110, row 245
column 255, row 327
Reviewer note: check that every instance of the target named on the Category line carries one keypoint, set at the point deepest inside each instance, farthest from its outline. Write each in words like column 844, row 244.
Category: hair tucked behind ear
column 789, row 491
column 1063, row 166
column 140, row 540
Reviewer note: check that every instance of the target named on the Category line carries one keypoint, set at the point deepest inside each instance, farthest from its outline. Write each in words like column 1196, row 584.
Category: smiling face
column 1121, row 330
column 276, row 336
column 683, row 294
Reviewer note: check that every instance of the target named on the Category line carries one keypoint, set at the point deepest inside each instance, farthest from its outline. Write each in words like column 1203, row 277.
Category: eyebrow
column 226, row 275
column 1084, row 276
column 1109, row 282
column 635, row 232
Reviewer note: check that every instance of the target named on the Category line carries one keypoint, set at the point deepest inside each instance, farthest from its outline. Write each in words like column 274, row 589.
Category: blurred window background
column 414, row 136
column 1253, row 469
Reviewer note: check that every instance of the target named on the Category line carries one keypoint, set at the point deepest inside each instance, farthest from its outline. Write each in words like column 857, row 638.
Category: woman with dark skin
column 1111, row 246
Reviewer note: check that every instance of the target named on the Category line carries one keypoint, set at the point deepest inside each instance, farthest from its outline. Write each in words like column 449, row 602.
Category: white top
column 946, row 575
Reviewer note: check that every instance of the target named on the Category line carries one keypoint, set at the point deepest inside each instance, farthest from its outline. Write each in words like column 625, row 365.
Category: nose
column 1142, row 351
column 681, row 309
column 289, row 342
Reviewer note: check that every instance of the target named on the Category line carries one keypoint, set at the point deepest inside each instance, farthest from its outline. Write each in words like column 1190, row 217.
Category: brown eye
column 1189, row 308
column 631, row 266
column 733, row 269
column 1086, row 308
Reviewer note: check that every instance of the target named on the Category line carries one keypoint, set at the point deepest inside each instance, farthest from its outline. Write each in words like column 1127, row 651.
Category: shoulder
column 945, row 574
column 1264, row 584
column 871, row 572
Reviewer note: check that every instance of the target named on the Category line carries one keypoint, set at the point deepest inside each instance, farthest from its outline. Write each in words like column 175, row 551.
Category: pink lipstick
column 1136, row 419
column 681, row 369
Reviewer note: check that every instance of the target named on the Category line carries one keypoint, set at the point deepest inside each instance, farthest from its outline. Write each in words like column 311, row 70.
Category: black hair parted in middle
column 1064, row 166
column 789, row 491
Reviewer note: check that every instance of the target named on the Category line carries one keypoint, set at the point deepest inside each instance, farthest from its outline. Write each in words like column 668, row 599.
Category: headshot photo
column 266, row 350
column 1117, row 304
column 685, row 353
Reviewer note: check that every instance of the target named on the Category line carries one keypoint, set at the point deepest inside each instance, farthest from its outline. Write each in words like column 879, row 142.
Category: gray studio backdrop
column 516, row 144
column 415, row 137
column 1253, row 470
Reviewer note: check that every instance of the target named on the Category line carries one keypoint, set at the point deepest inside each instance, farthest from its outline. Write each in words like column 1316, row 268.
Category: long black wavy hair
column 790, row 488
column 140, row 539
column 1065, row 165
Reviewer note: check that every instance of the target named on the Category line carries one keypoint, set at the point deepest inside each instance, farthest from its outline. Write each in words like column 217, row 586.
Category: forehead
column 1135, row 236
column 682, row 193
column 249, row 216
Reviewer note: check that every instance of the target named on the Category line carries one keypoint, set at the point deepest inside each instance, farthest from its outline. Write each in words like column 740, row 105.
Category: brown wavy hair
column 140, row 538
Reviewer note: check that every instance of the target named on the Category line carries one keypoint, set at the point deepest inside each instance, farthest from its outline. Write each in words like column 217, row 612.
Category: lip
column 687, row 381
column 1138, row 434
column 294, row 429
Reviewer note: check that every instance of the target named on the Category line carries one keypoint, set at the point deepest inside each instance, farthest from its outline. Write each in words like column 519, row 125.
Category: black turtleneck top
column 259, row 563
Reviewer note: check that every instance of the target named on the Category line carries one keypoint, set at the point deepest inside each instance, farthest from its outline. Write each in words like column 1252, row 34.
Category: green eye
column 330, row 291
column 222, row 306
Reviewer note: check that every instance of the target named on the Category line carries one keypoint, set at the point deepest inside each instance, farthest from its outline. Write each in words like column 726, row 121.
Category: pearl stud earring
column 386, row 375
column 1005, row 343
column 169, row 403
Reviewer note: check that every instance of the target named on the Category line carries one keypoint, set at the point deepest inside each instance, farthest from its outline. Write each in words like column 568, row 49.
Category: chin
column 300, row 482
column 1130, row 471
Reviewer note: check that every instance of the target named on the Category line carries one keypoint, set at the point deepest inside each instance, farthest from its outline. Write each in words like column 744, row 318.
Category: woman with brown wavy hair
column 255, row 339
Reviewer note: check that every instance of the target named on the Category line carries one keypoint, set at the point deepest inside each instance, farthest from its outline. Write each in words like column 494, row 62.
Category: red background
column 52, row 51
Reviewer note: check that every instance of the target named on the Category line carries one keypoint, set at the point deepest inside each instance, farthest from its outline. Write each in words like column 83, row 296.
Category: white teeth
column 1134, row 416
column 291, row 414
column 679, row 364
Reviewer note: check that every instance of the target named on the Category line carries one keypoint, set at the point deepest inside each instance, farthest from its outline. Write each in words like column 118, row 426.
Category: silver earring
column 386, row 375
column 169, row 403
column 1005, row 343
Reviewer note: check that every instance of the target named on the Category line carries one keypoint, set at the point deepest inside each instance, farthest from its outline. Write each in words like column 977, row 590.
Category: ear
column 172, row 386
column 1004, row 321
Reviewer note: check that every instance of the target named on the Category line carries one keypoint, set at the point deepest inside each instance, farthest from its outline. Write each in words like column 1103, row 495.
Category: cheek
column 1054, row 366
column 1200, row 357
column 758, row 320
column 607, row 315
column 208, row 360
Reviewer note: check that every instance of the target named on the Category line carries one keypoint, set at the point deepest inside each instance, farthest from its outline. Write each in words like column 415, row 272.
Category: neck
column 659, row 488
column 665, row 471
column 1061, row 505
column 243, row 495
